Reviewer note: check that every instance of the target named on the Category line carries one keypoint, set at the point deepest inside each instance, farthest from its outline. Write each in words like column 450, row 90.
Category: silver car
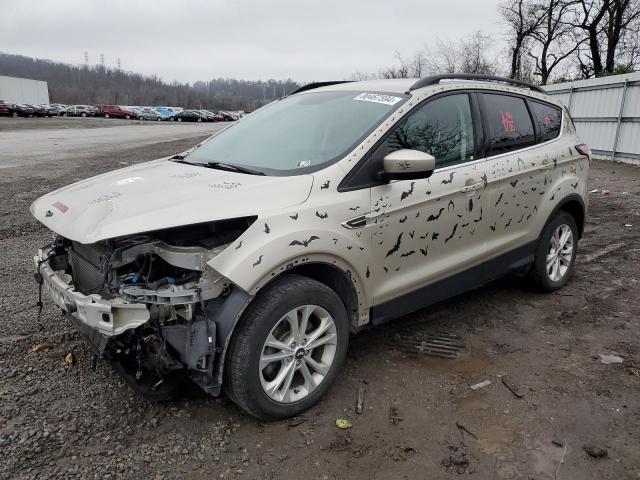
column 246, row 262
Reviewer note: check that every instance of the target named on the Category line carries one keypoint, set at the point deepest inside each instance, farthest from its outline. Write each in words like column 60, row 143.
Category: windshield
column 299, row 134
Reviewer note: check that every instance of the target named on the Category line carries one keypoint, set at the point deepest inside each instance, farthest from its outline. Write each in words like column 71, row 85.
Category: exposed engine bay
column 147, row 303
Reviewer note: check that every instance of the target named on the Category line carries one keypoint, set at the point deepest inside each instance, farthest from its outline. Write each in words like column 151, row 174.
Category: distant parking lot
column 64, row 137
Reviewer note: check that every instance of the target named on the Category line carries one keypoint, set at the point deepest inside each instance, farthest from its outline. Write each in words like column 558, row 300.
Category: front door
column 426, row 230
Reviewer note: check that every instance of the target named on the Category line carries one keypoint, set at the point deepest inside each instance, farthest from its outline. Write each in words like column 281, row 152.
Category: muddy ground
column 72, row 422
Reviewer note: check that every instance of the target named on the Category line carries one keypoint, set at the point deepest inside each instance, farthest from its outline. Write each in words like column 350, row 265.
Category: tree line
column 544, row 41
column 70, row 84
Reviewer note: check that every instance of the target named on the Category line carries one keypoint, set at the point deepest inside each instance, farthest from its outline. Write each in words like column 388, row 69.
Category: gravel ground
column 61, row 421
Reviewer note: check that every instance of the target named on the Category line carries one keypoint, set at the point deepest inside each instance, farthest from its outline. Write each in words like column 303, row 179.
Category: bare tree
column 553, row 41
column 468, row 55
column 605, row 25
column 474, row 54
column 444, row 59
column 402, row 71
column 523, row 17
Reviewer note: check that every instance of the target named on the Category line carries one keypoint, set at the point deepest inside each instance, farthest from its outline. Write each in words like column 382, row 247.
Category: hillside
column 71, row 84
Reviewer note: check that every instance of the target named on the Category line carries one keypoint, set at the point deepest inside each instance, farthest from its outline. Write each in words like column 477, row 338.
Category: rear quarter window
column 548, row 120
column 509, row 125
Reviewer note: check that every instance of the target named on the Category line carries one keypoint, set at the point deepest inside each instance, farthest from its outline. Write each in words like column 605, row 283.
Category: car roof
column 404, row 86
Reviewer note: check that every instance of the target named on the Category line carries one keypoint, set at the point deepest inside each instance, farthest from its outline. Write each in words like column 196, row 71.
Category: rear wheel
column 287, row 349
column 106, row 115
column 127, row 116
column 555, row 253
column 83, row 114
column 14, row 114
column 179, row 119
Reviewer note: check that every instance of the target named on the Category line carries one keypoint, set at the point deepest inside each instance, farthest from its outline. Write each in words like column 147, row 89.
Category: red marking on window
column 507, row 122
column 61, row 206
column 546, row 121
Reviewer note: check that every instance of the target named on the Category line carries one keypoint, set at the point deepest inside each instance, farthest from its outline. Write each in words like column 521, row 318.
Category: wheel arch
column 337, row 280
column 574, row 206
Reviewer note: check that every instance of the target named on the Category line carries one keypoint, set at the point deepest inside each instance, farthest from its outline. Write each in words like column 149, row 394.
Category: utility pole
column 102, row 60
column 86, row 59
column 119, row 64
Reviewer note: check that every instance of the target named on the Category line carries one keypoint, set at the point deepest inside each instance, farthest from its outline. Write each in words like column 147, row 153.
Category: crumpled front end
column 149, row 303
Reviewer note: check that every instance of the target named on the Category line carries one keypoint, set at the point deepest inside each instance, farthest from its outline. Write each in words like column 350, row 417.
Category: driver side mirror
column 408, row 165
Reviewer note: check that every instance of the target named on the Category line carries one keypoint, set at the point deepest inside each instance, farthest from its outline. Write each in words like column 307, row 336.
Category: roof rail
column 435, row 79
column 311, row 86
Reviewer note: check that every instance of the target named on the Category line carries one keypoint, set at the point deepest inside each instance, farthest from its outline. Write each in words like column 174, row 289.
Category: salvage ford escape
column 245, row 262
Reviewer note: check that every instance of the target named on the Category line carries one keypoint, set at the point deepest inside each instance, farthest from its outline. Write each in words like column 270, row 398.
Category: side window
column 548, row 120
column 442, row 127
column 508, row 122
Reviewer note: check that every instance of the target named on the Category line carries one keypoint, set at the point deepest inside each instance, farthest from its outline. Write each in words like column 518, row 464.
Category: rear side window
column 508, row 123
column 548, row 120
column 442, row 127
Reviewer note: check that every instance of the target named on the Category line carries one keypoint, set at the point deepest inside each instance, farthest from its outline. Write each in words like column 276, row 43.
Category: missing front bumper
column 107, row 317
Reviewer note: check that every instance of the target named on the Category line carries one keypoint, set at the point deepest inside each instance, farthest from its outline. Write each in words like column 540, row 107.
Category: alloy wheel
column 560, row 253
column 298, row 353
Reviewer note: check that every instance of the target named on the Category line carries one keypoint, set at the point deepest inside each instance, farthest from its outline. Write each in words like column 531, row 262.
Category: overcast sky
column 259, row 39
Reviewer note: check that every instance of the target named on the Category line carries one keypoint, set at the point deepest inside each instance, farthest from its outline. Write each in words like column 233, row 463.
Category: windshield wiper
column 234, row 168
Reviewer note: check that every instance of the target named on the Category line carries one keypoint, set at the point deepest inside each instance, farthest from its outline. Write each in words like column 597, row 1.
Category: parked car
column 38, row 110
column 149, row 114
column 20, row 110
column 214, row 116
column 79, row 111
column 164, row 113
column 117, row 111
column 61, row 109
column 49, row 110
column 5, row 108
column 96, row 110
column 228, row 116
column 189, row 116
column 337, row 208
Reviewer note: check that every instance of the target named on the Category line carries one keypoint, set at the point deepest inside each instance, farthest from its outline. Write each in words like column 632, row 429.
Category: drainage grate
column 439, row 344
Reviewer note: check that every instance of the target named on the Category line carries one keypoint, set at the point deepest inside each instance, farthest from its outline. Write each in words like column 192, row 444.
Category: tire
column 199, row 119
column 83, row 114
column 179, row 119
column 159, row 119
column 106, row 115
column 547, row 279
column 244, row 378
column 14, row 114
column 127, row 117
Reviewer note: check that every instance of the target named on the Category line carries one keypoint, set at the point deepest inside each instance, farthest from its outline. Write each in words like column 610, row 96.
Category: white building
column 606, row 112
column 23, row 90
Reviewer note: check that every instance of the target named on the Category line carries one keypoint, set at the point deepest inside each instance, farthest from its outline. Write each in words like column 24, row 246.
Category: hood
column 162, row 194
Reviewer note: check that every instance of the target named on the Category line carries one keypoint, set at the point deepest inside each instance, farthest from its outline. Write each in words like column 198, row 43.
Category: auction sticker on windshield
column 378, row 98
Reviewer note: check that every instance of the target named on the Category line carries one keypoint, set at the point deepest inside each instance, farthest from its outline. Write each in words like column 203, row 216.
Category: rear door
column 516, row 173
column 430, row 229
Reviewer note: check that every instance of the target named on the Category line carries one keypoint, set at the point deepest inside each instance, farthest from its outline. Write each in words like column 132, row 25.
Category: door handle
column 473, row 186
column 546, row 165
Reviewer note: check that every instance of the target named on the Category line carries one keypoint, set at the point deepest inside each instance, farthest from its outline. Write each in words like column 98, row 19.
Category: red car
column 116, row 112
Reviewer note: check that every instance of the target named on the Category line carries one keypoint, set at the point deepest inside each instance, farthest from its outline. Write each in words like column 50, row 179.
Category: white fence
column 606, row 112
column 23, row 90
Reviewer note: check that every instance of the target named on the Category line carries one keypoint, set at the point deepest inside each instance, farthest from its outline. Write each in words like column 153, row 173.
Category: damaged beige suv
column 245, row 263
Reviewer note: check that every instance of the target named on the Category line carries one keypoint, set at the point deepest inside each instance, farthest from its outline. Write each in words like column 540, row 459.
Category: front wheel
column 287, row 349
column 555, row 253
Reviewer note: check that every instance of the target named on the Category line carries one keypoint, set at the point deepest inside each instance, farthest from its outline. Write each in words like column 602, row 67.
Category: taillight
column 583, row 149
